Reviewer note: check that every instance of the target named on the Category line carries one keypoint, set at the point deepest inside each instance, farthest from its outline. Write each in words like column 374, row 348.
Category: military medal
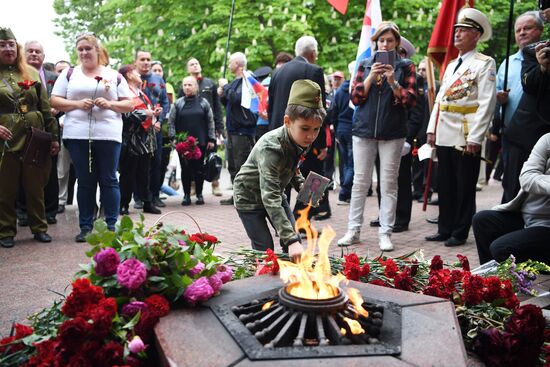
column 24, row 108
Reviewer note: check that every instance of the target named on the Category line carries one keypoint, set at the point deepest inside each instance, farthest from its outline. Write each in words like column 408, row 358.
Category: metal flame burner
column 278, row 325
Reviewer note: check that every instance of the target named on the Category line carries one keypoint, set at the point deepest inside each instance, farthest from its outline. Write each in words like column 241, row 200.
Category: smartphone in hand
column 385, row 57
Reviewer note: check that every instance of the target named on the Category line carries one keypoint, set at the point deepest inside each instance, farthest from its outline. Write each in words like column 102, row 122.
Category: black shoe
column 7, row 242
column 437, row 237
column 200, row 200
column 60, row 209
column 453, row 241
column 228, row 201
column 400, row 228
column 23, row 222
column 124, row 210
column 51, row 219
column 138, row 204
column 375, row 222
column 322, row 216
column 433, row 220
column 42, row 237
column 81, row 237
column 186, row 201
column 158, row 203
column 150, row 208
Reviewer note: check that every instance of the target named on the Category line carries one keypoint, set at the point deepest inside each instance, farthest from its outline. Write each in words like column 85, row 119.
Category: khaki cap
column 6, row 34
column 305, row 93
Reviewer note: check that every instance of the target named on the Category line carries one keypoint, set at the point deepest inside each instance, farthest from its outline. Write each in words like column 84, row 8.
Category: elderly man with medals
column 462, row 113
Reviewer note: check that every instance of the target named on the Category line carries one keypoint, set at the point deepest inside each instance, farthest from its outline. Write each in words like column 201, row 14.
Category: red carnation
column 26, row 84
column 379, row 282
column 158, row 305
column 464, row 263
column 98, row 78
column 110, row 354
column 414, row 267
column 528, row 323
column 209, row 238
column 145, row 325
column 436, row 264
column 365, row 270
column 414, row 152
column 51, row 82
column 391, row 268
column 403, row 280
column 152, row 85
column 473, row 289
column 162, row 86
column 73, row 332
column 22, row 331
column 13, row 347
column 196, row 238
column 271, row 257
column 45, row 353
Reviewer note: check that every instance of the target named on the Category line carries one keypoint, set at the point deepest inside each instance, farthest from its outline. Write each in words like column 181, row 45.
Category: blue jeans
column 105, row 155
column 345, row 151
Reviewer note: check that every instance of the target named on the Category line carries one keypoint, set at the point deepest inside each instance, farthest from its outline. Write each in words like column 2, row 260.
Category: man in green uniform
column 23, row 104
column 272, row 165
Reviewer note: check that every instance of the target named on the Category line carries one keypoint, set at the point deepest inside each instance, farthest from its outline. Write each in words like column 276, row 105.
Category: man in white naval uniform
column 461, row 115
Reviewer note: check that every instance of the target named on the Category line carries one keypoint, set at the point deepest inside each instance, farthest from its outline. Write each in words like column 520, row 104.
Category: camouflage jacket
column 23, row 106
column 260, row 183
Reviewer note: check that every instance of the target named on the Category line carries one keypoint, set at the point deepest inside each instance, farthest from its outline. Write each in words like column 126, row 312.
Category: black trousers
column 134, row 174
column 51, row 195
column 500, row 234
column 193, row 170
column 515, row 157
column 238, row 149
column 457, row 177
column 255, row 225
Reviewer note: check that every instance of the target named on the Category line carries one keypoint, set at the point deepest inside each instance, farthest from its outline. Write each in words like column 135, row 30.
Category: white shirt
column 104, row 124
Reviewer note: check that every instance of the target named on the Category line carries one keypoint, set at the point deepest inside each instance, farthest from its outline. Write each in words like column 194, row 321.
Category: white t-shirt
column 105, row 124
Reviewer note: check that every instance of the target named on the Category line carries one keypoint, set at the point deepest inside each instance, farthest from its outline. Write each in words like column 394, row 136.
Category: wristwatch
column 395, row 85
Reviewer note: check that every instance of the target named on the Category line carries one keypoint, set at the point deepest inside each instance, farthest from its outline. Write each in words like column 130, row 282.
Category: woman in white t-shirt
column 93, row 97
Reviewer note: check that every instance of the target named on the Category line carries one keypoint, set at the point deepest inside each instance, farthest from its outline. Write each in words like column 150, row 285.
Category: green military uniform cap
column 6, row 34
column 305, row 93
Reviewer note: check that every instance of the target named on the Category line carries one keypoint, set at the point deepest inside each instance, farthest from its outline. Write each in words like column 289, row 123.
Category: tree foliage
column 174, row 31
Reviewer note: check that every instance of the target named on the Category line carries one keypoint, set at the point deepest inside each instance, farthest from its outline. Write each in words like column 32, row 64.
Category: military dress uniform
column 22, row 107
column 462, row 113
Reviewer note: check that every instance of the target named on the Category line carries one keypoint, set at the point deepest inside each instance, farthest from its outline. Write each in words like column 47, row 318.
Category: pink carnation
column 132, row 308
column 199, row 291
column 106, row 261
column 131, row 273
column 225, row 272
column 215, row 282
column 197, row 269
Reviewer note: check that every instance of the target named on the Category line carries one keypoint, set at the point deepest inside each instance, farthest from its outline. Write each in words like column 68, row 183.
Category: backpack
column 212, row 167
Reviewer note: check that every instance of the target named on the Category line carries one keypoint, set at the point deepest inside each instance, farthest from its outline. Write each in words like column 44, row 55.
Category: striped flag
column 340, row 5
column 254, row 94
column 371, row 21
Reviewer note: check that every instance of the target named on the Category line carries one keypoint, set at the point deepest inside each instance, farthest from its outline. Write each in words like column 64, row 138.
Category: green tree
column 173, row 31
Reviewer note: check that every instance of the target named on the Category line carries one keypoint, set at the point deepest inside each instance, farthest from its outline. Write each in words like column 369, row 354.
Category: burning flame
column 357, row 301
column 354, row 326
column 267, row 305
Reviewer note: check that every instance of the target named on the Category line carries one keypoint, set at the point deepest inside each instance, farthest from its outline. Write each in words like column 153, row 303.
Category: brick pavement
column 31, row 272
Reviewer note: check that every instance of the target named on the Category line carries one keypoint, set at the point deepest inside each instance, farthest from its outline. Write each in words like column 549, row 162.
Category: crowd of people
column 115, row 129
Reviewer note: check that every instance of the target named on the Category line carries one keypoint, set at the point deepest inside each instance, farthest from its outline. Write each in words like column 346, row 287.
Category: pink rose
column 106, row 261
column 136, row 345
column 215, row 282
column 199, row 291
column 197, row 269
column 131, row 273
column 225, row 272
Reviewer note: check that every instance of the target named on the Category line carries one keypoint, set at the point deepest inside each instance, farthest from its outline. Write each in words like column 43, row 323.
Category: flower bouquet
column 117, row 298
column 187, row 147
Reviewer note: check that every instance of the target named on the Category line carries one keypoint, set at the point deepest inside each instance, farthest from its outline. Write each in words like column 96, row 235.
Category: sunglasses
column 85, row 34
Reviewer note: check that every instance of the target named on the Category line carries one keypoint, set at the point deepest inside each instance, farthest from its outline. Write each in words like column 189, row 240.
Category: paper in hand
column 313, row 189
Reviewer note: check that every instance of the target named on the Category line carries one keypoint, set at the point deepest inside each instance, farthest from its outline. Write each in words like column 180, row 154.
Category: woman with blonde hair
column 24, row 105
column 93, row 97
column 384, row 89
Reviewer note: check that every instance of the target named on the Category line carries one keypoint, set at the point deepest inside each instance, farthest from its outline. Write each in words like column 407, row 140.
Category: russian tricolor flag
column 254, row 94
column 371, row 21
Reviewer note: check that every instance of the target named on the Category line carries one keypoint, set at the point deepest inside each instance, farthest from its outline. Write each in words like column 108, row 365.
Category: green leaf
column 126, row 223
column 133, row 322
column 155, row 278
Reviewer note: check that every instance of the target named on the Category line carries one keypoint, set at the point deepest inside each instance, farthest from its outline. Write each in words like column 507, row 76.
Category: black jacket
column 209, row 91
column 239, row 120
column 281, row 82
column 531, row 119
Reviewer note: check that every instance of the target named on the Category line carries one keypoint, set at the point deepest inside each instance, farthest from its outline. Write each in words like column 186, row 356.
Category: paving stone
column 329, row 362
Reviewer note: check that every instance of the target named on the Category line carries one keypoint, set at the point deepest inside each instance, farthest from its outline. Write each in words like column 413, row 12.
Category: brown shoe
column 216, row 191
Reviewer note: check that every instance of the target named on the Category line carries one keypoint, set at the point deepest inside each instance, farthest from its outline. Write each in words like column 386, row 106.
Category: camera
column 544, row 4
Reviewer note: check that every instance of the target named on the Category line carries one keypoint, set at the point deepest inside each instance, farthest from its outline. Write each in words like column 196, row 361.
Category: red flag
column 441, row 49
column 340, row 5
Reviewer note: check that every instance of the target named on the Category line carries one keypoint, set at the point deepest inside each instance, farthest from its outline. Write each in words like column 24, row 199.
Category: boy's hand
column 295, row 251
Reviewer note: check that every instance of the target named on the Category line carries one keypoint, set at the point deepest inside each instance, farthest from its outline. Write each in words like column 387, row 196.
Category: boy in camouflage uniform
column 272, row 165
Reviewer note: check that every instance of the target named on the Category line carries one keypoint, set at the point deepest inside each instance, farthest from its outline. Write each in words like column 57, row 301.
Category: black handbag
column 212, row 167
column 36, row 151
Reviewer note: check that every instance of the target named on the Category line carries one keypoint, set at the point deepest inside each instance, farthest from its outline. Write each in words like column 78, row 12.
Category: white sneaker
column 350, row 238
column 342, row 202
column 385, row 243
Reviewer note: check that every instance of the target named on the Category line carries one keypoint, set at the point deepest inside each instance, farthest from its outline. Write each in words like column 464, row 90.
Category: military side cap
column 6, row 34
column 473, row 18
column 305, row 93
column 262, row 72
